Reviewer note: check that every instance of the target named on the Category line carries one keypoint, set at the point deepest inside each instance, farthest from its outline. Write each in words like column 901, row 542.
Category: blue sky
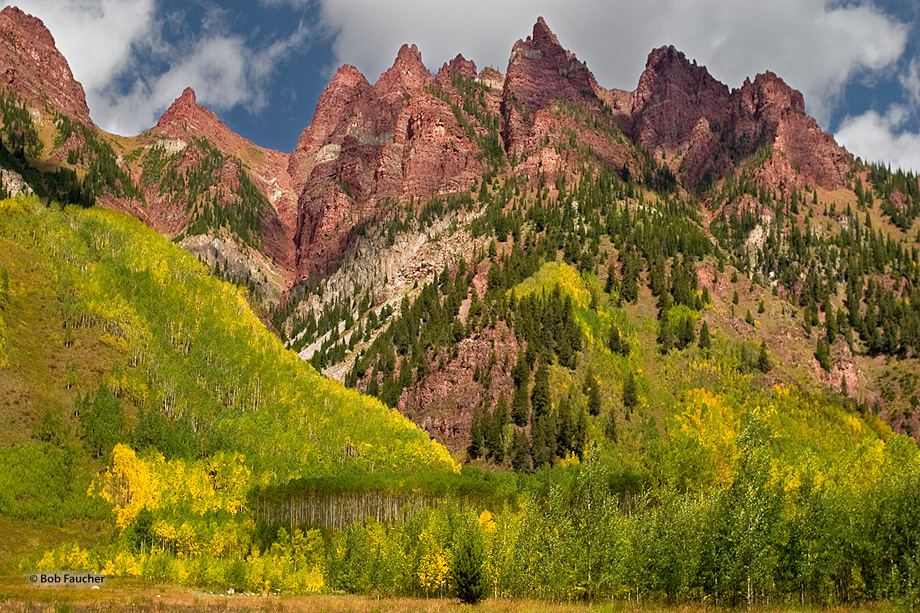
column 261, row 64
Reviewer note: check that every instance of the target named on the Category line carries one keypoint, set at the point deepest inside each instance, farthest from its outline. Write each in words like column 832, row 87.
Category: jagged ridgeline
column 112, row 334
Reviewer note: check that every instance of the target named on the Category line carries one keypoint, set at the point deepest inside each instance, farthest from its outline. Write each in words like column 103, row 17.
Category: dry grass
column 128, row 595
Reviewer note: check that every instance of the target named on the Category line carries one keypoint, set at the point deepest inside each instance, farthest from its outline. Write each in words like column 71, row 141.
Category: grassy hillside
column 119, row 350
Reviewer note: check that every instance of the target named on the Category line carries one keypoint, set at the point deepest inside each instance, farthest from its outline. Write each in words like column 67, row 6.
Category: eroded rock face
column 368, row 144
column 183, row 123
column 672, row 97
column 459, row 66
column 802, row 152
column 373, row 144
column 540, row 73
column 679, row 107
column 35, row 69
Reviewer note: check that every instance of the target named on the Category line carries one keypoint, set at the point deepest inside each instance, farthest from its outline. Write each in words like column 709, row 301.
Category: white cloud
column 910, row 81
column 222, row 69
column 104, row 41
column 96, row 36
column 815, row 45
column 882, row 138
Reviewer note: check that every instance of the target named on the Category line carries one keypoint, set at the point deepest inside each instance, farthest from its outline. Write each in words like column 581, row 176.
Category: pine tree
column 630, row 392
column 823, row 354
column 493, row 436
column 520, row 452
column 686, row 333
column 592, row 390
column 469, row 579
column 616, row 342
column 539, row 398
column 763, row 360
column 665, row 336
column 520, row 405
column 566, row 428
column 705, row 341
column 477, row 440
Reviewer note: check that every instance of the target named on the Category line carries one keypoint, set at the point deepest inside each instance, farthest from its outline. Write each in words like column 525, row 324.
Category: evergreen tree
column 493, row 436
column 469, row 578
column 665, row 336
column 539, row 398
column 544, row 433
column 566, row 428
column 592, row 390
column 705, row 341
column 686, row 332
column 616, row 342
column 520, row 405
column 477, row 440
column 823, row 354
column 630, row 391
column 749, row 318
column 610, row 430
column 830, row 325
column 763, row 360
column 520, row 452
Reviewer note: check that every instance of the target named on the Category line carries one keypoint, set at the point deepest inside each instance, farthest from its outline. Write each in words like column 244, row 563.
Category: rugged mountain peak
column 543, row 37
column 540, row 73
column 802, row 151
column 408, row 74
column 34, row 68
column 186, row 115
column 672, row 97
column 770, row 93
column 458, row 66
column 345, row 77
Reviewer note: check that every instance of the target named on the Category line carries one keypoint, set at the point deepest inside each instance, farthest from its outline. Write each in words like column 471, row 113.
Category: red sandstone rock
column 368, row 143
column 540, row 73
column 186, row 120
column 679, row 107
column 35, row 68
column 458, row 66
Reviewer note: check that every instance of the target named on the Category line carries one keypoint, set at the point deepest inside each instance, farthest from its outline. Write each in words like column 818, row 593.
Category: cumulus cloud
column 96, row 36
column 112, row 45
column 221, row 68
column 879, row 137
column 815, row 45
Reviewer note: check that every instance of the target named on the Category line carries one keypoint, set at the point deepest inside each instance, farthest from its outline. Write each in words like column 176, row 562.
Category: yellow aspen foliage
column 124, row 564
column 707, row 419
column 433, row 571
column 69, row 556
column 784, row 477
column 129, row 485
column 19, row 205
column 487, row 522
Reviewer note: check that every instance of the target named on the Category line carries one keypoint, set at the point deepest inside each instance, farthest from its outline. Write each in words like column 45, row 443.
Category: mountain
column 419, row 175
column 674, row 329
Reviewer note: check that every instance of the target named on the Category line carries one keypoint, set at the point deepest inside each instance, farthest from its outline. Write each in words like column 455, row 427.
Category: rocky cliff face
column 32, row 66
column 368, row 144
column 540, row 73
column 679, row 108
column 179, row 131
column 370, row 147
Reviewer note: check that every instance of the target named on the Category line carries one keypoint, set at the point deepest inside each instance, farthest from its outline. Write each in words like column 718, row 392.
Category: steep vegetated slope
column 132, row 341
column 684, row 317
